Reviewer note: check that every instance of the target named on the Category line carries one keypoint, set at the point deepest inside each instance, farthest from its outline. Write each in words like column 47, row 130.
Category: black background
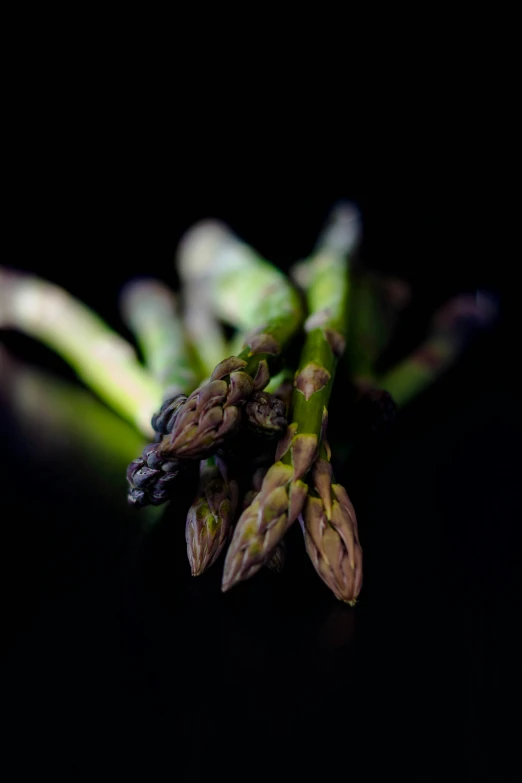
column 116, row 657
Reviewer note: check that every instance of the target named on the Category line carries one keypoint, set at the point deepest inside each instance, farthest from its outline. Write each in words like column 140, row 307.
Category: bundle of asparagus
column 248, row 424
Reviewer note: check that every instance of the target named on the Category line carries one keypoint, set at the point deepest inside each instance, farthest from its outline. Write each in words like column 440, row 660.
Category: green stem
column 376, row 304
column 62, row 419
column 102, row 359
column 325, row 277
column 452, row 328
column 244, row 289
column 205, row 333
column 150, row 311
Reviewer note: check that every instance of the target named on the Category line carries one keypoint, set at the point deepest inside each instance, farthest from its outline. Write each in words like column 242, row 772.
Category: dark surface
column 116, row 657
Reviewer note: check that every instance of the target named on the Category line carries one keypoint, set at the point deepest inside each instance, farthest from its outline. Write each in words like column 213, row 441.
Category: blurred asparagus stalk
column 244, row 290
column 283, row 492
column 204, row 330
column 377, row 302
column 63, row 419
column 149, row 308
column 452, row 328
column 102, row 359
column 60, row 413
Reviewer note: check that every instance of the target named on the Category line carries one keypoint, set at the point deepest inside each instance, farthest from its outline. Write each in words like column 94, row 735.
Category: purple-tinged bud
column 265, row 414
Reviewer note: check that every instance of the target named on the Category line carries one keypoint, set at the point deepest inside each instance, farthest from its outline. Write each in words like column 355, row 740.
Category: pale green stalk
column 245, row 290
column 102, row 359
column 377, row 302
column 150, row 310
column 452, row 328
column 61, row 419
column 204, row 331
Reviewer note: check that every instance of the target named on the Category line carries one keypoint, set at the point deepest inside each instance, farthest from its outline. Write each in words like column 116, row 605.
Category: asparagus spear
column 59, row 416
column 330, row 531
column 149, row 308
column 283, row 493
column 277, row 560
column 213, row 412
column 204, row 331
column 451, row 329
column 244, row 289
column 102, row 358
column 211, row 515
column 151, row 477
column 376, row 304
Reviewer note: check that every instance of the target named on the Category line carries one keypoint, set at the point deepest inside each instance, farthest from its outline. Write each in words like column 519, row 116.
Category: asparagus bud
column 152, row 477
column 265, row 414
column 150, row 310
column 163, row 421
column 331, row 536
column 211, row 413
column 263, row 524
column 210, row 517
column 102, row 358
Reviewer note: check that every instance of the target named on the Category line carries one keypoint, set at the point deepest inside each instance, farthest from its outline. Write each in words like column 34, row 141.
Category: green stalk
column 283, row 492
column 452, row 328
column 376, row 304
column 204, row 331
column 52, row 405
column 245, row 290
column 149, row 308
column 63, row 419
column 102, row 359
column 327, row 281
